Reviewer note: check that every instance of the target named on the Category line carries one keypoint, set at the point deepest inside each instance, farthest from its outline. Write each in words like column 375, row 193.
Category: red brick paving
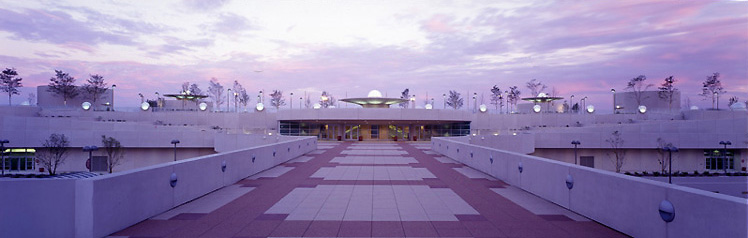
column 244, row 216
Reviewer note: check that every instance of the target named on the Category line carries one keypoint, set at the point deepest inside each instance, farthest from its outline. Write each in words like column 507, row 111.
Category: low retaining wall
column 628, row 204
column 99, row 206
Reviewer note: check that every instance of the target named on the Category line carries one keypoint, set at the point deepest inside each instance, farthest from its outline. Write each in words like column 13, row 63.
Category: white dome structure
column 738, row 106
column 374, row 94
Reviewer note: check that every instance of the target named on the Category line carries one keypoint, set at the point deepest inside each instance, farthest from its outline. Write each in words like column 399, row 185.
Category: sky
column 581, row 48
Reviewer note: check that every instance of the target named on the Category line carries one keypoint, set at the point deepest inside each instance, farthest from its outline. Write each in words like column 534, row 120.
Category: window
column 374, row 131
column 588, row 161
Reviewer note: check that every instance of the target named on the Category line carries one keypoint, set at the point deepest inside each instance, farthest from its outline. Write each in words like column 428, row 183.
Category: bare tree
column 113, row 150
column 496, row 97
column 32, row 98
column 308, row 102
column 513, row 96
column 405, row 95
column 712, row 88
column 667, row 91
column 10, row 82
column 326, row 100
column 661, row 143
column 237, row 88
column 536, row 87
column 732, row 100
column 53, row 152
column 276, row 99
column 95, row 87
column 454, row 100
column 619, row 153
column 195, row 89
column 215, row 92
column 63, row 85
column 243, row 97
column 637, row 86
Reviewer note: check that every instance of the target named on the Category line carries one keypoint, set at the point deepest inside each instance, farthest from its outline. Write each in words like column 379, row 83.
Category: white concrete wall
column 625, row 203
column 99, row 206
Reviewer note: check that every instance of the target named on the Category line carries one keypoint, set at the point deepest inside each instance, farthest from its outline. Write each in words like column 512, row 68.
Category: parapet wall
column 99, row 206
column 627, row 204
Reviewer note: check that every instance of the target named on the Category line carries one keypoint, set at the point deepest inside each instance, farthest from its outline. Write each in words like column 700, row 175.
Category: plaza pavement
column 369, row 189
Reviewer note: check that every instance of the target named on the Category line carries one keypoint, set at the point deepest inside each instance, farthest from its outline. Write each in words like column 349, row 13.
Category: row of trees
column 62, row 84
column 54, row 151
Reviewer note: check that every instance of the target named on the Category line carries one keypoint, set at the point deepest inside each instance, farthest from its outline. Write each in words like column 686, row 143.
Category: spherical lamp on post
column 290, row 101
column 175, row 142
column 571, row 101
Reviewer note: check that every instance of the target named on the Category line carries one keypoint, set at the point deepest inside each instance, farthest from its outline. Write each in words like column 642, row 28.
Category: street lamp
column 261, row 97
column 2, row 152
column 584, row 103
column 413, row 101
column 444, row 99
column 575, row 143
column 236, row 96
column 113, row 87
column 175, row 142
column 301, row 99
column 90, row 150
column 501, row 103
column 228, row 101
column 614, row 100
column 571, row 101
column 670, row 150
column 475, row 101
column 290, row 103
column 724, row 154
column 716, row 95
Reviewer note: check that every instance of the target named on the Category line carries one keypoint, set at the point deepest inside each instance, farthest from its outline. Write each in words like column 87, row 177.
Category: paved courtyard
column 369, row 189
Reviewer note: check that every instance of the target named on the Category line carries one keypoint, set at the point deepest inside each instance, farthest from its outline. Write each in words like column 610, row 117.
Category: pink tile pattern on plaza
column 369, row 190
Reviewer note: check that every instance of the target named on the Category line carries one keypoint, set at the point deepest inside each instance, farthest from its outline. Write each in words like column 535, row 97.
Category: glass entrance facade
column 355, row 130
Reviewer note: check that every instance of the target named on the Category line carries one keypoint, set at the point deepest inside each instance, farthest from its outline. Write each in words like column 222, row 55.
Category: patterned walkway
column 369, row 190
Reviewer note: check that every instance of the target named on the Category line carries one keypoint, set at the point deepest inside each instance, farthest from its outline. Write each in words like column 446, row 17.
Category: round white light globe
column 642, row 109
column 203, row 106
column 429, row 106
column 374, row 94
column 144, row 106
column 86, row 106
column 542, row 95
column 260, row 107
column 590, row 108
column 317, row 106
column 483, row 108
column 536, row 108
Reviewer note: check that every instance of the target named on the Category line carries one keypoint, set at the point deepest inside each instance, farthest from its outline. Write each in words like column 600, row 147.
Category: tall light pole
column 475, row 102
column 501, row 103
column 670, row 150
column 2, row 152
column 236, row 96
column 444, row 100
column 290, row 103
column 584, row 104
column 228, row 101
column 716, row 95
column 262, row 97
column 301, row 99
column 113, row 87
column 571, row 102
column 724, row 154
column 575, row 143
column 90, row 150
column 175, row 142
column 612, row 90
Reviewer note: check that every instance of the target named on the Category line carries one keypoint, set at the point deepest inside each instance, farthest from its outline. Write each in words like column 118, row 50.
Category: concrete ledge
column 99, row 206
column 627, row 204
